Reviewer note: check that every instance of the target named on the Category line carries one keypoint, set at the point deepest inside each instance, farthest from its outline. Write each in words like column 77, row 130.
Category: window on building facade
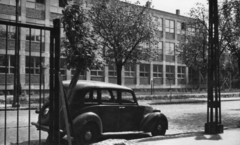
column 158, row 21
column 181, row 72
column 180, row 28
column 11, row 31
column 158, row 49
column 170, row 72
column 144, row 70
column 33, row 64
column 112, row 71
column 35, row 35
column 157, row 71
column 7, row 65
column 36, row 4
column 129, row 71
column 97, row 72
column 169, row 48
column 169, row 25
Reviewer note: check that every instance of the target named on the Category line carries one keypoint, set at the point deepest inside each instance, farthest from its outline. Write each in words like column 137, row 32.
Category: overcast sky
column 171, row 5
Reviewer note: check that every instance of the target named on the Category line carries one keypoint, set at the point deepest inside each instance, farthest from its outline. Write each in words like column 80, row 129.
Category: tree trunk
column 119, row 74
column 69, row 95
column 73, row 84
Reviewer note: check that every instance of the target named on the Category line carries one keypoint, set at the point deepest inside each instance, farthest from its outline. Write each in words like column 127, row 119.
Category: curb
column 157, row 102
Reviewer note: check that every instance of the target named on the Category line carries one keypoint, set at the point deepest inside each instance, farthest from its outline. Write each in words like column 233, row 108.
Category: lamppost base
column 213, row 128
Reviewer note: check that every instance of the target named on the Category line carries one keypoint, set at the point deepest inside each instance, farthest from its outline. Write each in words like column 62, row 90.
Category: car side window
column 108, row 96
column 127, row 97
column 91, row 96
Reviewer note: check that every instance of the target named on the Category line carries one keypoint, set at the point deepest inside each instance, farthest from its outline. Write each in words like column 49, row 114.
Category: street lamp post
column 214, row 124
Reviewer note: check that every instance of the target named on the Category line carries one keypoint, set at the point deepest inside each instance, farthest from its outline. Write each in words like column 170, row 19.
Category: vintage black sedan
column 99, row 107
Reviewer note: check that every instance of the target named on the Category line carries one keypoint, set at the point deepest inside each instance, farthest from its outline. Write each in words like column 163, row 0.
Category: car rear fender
column 149, row 121
column 87, row 117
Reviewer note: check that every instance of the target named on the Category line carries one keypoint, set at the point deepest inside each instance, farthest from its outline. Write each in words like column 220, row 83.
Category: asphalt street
column 183, row 118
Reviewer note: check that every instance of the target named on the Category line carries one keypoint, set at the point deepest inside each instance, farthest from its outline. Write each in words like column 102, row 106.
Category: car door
column 109, row 110
column 130, row 114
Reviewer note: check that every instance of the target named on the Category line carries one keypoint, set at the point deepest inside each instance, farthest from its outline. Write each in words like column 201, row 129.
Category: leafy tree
column 79, row 45
column 125, row 31
column 194, row 47
column 231, row 12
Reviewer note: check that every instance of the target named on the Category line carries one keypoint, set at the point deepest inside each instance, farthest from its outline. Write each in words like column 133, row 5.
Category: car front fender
column 149, row 121
column 88, row 117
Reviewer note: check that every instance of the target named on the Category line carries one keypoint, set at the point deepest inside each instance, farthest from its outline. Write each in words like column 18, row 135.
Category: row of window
column 58, row 3
column 33, row 34
column 169, row 25
column 33, row 64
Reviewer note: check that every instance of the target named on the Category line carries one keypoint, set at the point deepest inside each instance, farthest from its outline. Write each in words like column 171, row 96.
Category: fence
column 28, row 54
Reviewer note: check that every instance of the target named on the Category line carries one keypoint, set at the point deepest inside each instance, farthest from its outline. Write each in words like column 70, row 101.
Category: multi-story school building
column 165, row 72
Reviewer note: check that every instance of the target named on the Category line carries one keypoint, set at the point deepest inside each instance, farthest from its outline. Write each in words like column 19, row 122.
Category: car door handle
column 121, row 107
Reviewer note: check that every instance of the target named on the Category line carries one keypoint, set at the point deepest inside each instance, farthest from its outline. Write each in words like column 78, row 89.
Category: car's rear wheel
column 88, row 134
column 159, row 129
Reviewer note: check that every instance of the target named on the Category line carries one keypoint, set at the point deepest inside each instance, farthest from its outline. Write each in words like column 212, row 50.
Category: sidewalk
column 230, row 136
column 150, row 102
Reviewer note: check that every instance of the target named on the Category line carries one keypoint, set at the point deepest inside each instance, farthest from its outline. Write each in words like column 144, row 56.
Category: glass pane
column 12, row 60
column 3, row 70
column 171, row 24
column 100, row 73
column 93, row 73
column 127, row 74
column 105, row 95
column 38, row 61
column 127, row 97
column 3, row 31
column 132, row 74
column 3, row 61
column 167, row 23
column 37, row 71
column 167, row 30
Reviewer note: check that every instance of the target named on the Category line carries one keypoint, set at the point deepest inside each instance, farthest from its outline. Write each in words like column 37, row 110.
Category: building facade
column 167, row 71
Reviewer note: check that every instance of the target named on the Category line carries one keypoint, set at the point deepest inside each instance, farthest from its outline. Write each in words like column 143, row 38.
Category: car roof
column 83, row 84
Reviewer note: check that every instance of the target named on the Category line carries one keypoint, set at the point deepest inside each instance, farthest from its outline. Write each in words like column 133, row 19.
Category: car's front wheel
column 159, row 129
column 88, row 134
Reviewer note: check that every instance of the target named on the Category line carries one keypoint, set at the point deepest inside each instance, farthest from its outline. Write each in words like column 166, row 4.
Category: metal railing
column 26, row 83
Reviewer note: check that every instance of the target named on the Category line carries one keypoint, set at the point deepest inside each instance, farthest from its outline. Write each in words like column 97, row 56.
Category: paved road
column 182, row 118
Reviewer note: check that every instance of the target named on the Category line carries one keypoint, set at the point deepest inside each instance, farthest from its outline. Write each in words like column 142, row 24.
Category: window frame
column 159, row 23
column 112, row 71
column 36, row 38
column 168, row 49
column 170, row 26
column 10, row 66
column 130, row 70
column 35, row 67
column 99, row 72
column 157, row 71
column 145, row 71
column 181, row 72
column 170, row 71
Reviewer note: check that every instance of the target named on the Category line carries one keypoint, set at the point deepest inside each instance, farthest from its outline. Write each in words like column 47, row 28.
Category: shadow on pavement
column 202, row 136
column 170, row 136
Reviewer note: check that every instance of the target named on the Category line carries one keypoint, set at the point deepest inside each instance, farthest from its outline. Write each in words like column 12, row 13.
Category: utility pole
column 17, row 85
column 214, row 123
